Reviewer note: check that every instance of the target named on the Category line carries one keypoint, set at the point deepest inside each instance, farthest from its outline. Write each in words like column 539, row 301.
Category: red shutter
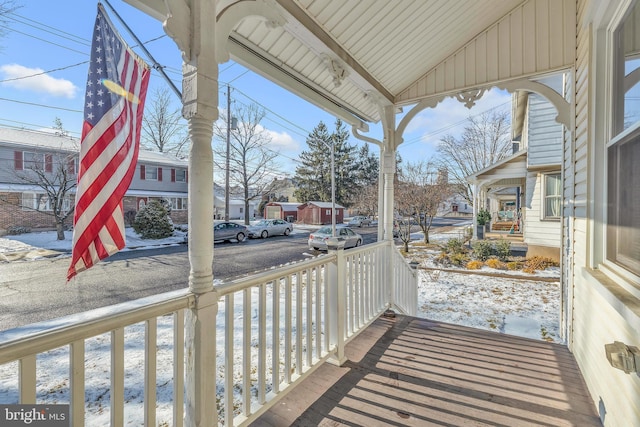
column 173, row 175
column 186, row 176
column 142, row 172
column 159, row 174
column 48, row 163
column 17, row 160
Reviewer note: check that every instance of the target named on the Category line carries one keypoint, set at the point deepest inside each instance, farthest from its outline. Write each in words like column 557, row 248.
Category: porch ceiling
column 352, row 57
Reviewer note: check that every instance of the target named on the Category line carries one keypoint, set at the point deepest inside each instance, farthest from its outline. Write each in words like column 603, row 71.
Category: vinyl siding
column 545, row 134
column 537, row 231
column 601, row 311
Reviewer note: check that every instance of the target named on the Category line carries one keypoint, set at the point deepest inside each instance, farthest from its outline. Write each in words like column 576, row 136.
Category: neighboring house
column 282, row 210
column 455, row 205
column 236, row 208
column 282, row 189
column 157, row 176
column 319, row 213
column 523, row 192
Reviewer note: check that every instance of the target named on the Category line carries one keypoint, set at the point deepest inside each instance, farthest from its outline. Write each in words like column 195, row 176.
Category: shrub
column 483, row 217
column 482, row 249
column 474, row 265
column 18, row 229
column 130, row 217
column 495, row 263
column 538, row 263
column 503, row 249
column 458, row 259
column 455, row 246
column 153, row 222
column 443, row 259
column 513, row 265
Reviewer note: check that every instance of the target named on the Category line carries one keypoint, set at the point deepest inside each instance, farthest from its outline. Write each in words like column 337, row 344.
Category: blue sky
column 50, row 41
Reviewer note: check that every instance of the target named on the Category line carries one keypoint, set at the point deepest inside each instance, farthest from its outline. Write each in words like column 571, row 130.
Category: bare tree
column 162, row 126
column 55, row 175
column 6, row 7
column 485, row 141
column 251, row 162
column 424, row 188
column 366, row 200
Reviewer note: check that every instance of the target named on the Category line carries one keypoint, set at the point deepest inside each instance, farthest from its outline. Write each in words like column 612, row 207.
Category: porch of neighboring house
column 411, row 371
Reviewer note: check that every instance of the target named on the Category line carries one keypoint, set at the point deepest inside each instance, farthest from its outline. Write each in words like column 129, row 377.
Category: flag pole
column 156, row 65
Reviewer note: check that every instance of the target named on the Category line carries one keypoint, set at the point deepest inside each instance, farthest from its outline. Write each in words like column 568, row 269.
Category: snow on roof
column 324, row 205
column 53, row 141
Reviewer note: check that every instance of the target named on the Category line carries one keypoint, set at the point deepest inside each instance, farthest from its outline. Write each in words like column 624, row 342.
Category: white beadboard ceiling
column 350, row 57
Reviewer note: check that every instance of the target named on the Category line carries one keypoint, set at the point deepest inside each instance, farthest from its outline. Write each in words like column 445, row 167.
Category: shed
column 282, row 210
column 319, row 213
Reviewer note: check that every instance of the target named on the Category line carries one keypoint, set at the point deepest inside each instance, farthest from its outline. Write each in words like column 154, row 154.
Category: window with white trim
column 623, row 150
column 552, row 196
column 151, row 173
column 178, row 203
column 181, row 175
column 33, row 160
column 41, row 202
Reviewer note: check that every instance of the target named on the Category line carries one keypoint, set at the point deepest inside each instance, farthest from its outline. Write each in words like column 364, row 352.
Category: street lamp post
column 333, row 183
column 333, row 188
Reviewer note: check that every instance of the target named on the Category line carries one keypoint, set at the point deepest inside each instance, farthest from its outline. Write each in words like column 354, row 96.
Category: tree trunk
column 60, row 230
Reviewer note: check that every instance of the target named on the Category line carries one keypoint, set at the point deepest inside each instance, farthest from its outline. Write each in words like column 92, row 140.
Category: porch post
column 390, row 142
column 337, row 299
column 193, row 27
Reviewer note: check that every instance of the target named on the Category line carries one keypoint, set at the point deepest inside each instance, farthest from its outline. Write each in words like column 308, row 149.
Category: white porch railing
column 271, row 330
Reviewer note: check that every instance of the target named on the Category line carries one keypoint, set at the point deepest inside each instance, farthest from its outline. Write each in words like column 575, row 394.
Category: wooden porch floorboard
column 416, row 372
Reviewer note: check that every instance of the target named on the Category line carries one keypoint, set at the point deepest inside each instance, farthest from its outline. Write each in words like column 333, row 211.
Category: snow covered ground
column 527, row 306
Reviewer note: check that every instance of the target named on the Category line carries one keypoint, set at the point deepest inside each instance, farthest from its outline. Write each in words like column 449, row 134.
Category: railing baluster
column 275, row 332
column 262, row 343
column 228, row 359
column 27, row 367
column 150, row 344
column 178, row 368
column 246, row 351
column 76, row 378
column 309, row 317
column 318, row 305
column 288, row 331
column 325, row 280
column 117, row 377
column 299, row 323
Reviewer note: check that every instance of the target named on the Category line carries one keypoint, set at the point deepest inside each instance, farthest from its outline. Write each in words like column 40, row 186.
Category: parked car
column 359, row 221
column 270, row 227
column 224, row 231
column 318, row 239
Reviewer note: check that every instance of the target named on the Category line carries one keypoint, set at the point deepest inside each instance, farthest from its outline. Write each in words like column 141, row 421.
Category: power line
column 44, row 72
column 40, row 105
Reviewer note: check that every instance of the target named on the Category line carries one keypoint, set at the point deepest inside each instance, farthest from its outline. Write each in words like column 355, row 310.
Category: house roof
column 285, row 205
column 352, row 57
column 517, row 162
column 323, row 205
column 30, row 139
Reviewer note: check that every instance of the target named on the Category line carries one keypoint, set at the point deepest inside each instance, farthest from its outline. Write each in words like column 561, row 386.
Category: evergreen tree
column 314, row 173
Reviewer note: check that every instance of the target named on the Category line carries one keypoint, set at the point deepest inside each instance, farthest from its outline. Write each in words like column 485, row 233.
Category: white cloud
column 282, row 142
column 36, row 81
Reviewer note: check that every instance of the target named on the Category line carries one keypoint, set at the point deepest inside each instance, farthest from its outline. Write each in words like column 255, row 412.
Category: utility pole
column 226, row 178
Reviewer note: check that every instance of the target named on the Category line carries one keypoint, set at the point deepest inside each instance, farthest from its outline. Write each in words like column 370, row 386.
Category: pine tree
column 314, row 173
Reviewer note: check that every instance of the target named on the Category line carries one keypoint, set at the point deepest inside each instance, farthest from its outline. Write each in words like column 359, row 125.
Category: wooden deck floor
column 415, row 372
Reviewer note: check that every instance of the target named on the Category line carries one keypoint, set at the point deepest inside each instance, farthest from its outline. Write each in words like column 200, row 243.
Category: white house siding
column 538, row 232
column 544, row 133
column 602, row 312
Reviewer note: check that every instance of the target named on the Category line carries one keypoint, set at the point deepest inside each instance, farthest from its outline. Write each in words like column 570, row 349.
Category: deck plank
column 416, row 372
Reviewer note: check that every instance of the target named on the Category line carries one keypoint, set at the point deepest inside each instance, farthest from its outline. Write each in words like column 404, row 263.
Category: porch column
column 192, row 26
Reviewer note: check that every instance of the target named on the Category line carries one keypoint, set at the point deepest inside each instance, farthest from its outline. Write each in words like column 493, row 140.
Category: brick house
column 158, row 176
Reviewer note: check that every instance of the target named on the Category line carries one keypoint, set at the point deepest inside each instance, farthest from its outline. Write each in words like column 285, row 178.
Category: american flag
column 114, row 103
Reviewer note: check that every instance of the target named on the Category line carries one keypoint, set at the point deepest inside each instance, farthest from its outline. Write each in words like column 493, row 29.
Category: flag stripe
column 114, row 104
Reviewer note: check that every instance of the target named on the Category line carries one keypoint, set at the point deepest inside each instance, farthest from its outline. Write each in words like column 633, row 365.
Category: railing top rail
column 368, row 247
column 39, row 337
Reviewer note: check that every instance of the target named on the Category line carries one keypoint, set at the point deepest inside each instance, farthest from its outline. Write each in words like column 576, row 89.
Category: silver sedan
column 318, row 239
column 270, row 227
